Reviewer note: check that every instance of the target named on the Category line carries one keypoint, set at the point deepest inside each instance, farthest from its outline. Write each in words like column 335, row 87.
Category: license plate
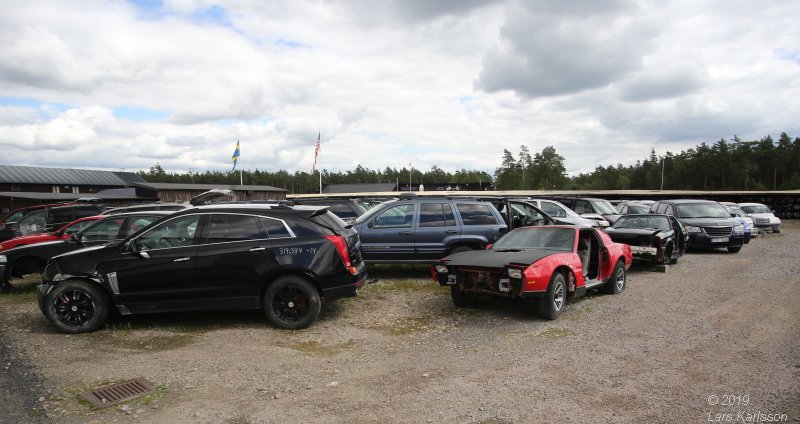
column 719, row 240
column 451, row 279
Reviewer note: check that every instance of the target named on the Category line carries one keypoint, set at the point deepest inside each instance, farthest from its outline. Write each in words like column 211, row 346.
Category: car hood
column 87, row 251
column 631, row 232
column 710, row 222
column 492, row 259
column 32, row 247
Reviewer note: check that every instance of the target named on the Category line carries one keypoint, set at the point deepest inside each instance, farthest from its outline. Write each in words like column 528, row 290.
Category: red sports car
column 548, row 263
column 62, row 233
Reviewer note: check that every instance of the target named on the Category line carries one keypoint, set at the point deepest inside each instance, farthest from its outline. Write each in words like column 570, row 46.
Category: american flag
column 316, row 153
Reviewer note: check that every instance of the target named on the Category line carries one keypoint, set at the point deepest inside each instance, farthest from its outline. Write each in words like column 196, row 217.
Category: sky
column 123, row 85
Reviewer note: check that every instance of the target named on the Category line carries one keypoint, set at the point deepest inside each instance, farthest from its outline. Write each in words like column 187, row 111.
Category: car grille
column 717, row 231
column 762, row 220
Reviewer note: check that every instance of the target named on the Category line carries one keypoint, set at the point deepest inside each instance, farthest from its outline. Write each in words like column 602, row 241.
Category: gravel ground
column 673, row 347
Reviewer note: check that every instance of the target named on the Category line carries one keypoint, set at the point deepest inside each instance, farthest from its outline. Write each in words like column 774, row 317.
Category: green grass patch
column 313, row 347
column 556, row 332
column 384, row 287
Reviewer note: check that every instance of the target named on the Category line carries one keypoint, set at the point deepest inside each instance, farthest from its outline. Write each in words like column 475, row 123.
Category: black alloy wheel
column 77, row 307
column 292, row 303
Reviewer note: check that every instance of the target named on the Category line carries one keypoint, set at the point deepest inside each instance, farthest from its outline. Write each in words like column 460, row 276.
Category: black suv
column 420, row 229
column 708, row 223
column 47, row 219
column 32, row 258
column 284, row 260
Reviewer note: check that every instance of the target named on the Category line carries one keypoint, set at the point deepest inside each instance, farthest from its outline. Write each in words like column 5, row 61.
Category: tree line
column 724, row 165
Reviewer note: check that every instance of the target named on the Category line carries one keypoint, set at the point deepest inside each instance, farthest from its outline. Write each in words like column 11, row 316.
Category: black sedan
column 653, row 237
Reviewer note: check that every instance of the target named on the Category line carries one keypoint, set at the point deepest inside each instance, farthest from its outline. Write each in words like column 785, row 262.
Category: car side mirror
column 75, row 237
column 733, row 215
column 370, row 225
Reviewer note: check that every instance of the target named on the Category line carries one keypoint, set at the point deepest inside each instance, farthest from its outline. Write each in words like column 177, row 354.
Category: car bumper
column 42, row 290
column 703, row 240
column 644, row 251
column 347, row 290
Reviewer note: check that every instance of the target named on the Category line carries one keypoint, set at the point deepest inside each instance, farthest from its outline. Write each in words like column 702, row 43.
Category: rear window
column 275, row 228
column 476, row 214
column 61, row 215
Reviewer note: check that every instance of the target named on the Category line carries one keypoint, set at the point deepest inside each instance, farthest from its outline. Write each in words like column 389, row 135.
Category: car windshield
column 642, row 221
column 604, row 207
column 537, row 238
column 371, row 212
column 756, row 209
column 702, row 210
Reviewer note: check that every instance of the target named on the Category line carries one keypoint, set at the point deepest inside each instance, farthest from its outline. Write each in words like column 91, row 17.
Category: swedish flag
column 235, row 155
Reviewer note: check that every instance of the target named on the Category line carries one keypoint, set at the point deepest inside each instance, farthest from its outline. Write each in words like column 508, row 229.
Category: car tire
column 554, row 301
column 77, row 306
column 617, row 281
column 292, row 303
column 459, row 249
column 734, row 249
column 463, row 300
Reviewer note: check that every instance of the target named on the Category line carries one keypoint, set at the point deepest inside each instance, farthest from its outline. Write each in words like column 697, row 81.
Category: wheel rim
column 559, row 295
column 74, row 307
column 620, row 278
column 291, row 304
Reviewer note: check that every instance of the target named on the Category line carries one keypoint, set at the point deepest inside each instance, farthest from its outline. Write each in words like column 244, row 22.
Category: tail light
column 341, row 246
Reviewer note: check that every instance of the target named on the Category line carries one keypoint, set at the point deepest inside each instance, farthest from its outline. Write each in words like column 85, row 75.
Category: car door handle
column 451, row 231
column 181, row 259
column 405, row 233
column 258, row 249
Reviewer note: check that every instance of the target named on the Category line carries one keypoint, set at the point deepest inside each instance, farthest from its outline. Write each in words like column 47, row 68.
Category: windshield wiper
column 510, row 249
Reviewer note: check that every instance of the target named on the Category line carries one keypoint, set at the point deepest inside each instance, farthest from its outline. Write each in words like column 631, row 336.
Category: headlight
column 3, row 259
column 603, row 223
column 692, row 229
column 515, row 273
column 776, row 220
column 738, row 229
column 441, row 269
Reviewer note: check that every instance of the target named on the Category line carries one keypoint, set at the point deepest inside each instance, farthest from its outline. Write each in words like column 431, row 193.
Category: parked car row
column 287, row 258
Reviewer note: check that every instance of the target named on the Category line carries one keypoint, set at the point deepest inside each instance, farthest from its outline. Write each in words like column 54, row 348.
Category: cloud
column 550, row 50
column 125, row 84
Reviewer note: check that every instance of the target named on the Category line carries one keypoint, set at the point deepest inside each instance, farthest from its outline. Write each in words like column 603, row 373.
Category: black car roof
column 684, row 201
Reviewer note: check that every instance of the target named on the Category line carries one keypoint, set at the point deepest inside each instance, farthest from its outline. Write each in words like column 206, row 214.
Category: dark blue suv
column 708, row 223
column 425, row 228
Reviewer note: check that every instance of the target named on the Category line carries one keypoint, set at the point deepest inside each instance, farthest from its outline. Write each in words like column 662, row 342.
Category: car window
column 342, row 210
column 702, row 210
column 436, row 215
column 227, row 228
column 103, row 230
column 77, row 226
column 670, row 210
column 604, row 206
column 178, row 232
column 537, row 238
column 582, row 206
column 14, row 217
column 662, row 208
column 136, row 223
column 756, row 209
column 61, row 215
column 32, row 223
column 275, row 228
column 476, row 214
column 395, row 216
column 553, row 210
column 638, row 209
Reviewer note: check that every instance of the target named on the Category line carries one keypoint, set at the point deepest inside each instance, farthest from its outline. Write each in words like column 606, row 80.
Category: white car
column 763, row 217
column 561, row 213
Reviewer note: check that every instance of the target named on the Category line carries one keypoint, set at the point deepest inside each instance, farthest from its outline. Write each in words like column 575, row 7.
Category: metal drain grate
column 118, row 393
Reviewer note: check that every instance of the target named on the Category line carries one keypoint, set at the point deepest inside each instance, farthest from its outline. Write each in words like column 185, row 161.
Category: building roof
column 176, row 186
column 64, row 197
column 359, row 188
column 12, row 174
